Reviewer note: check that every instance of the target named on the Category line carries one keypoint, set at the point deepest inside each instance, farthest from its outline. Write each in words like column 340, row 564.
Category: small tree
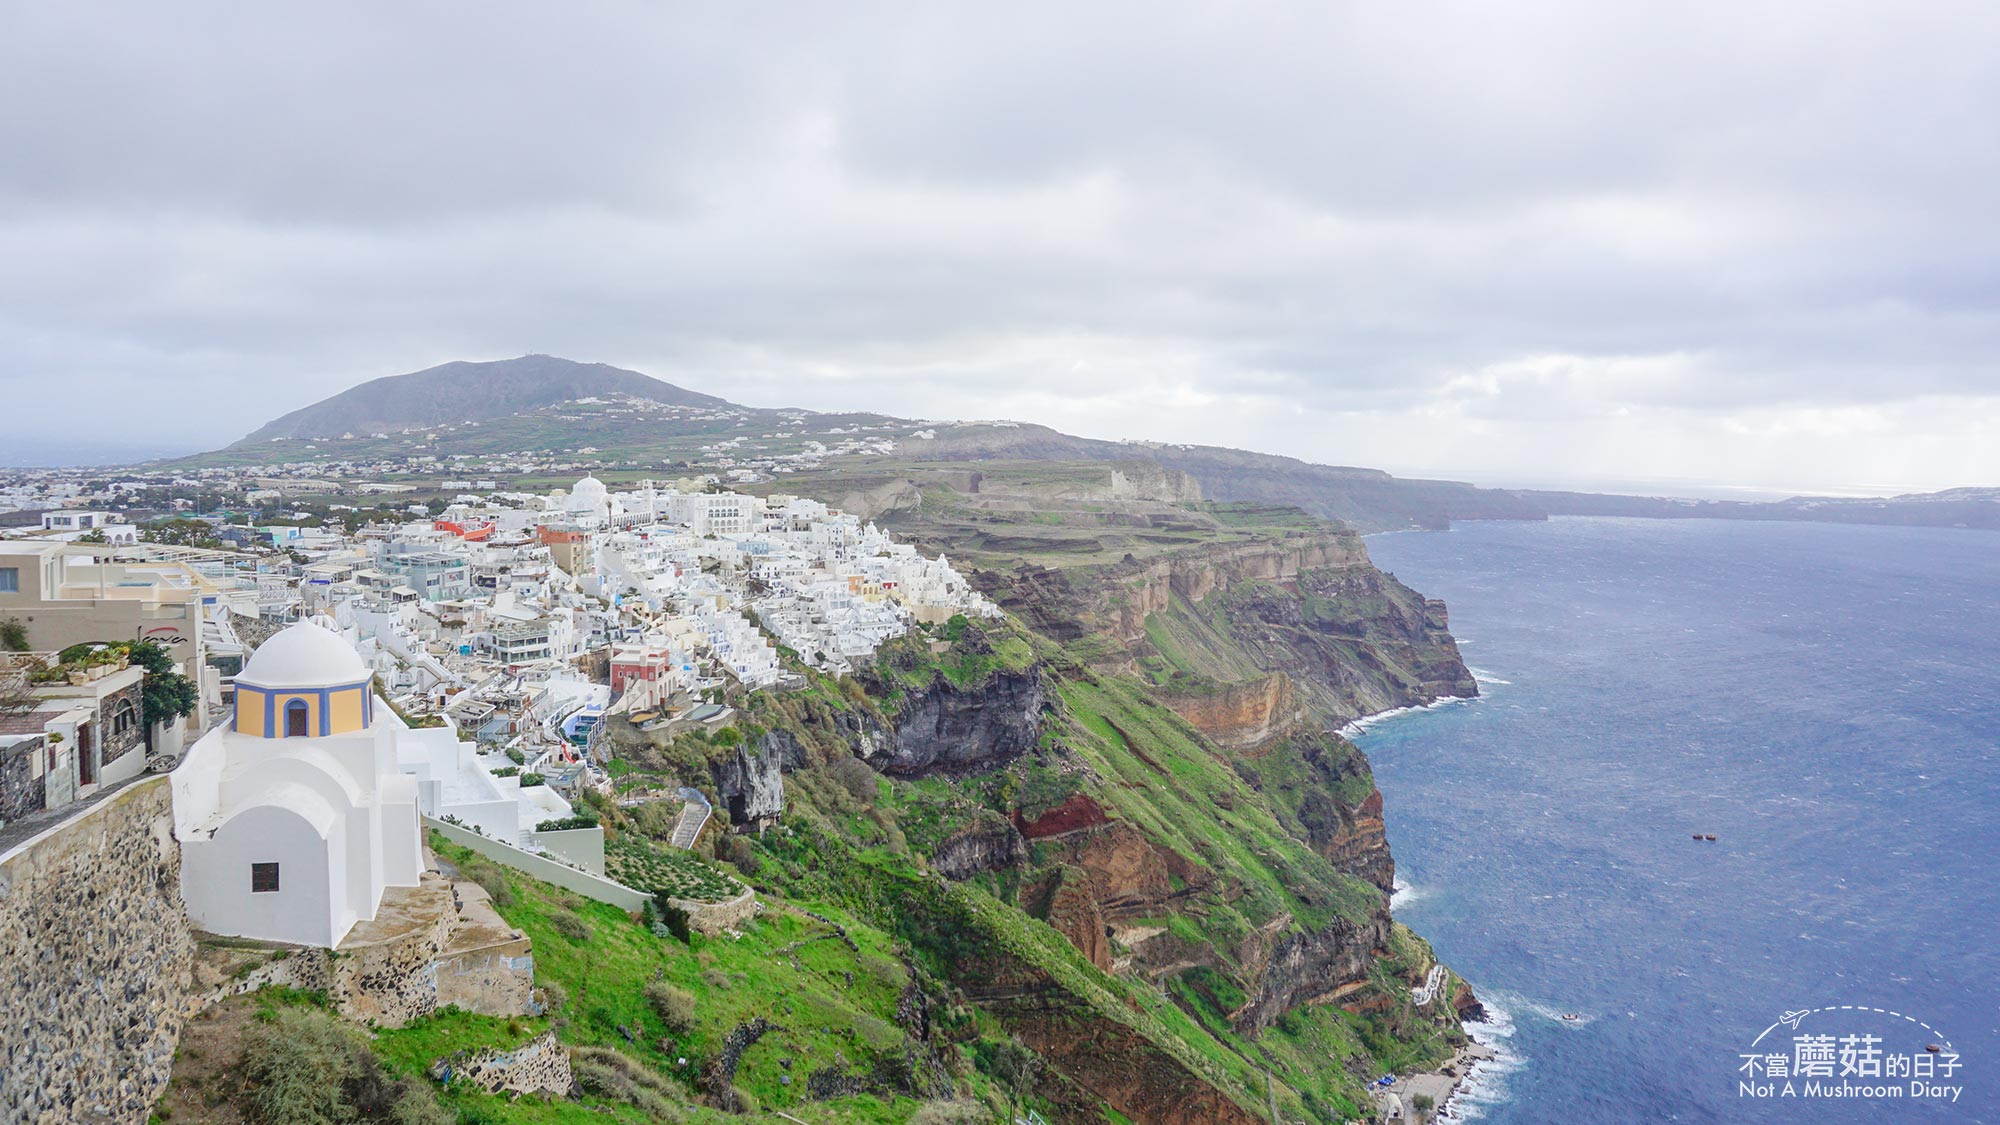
column 14, row 635
column 17, row 694
column 167, row 695
column 673, row 917
column 1012, row 1065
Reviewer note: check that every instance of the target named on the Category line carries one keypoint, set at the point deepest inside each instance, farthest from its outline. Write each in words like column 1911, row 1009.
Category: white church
column 294, row 817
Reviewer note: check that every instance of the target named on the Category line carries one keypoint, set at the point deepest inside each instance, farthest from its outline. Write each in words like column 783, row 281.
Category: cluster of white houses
column 455, row 667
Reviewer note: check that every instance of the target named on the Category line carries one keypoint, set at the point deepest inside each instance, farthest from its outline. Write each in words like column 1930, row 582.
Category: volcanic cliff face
column 1241, row 715
column 945, row 728
column 1141, row 764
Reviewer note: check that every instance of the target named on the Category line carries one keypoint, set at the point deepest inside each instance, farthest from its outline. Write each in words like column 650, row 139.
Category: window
column 263, row 877
column 126, row 716
column 295, row 719
column 10, row 579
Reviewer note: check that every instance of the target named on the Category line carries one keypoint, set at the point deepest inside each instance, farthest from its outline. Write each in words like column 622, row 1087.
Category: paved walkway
column 17, row 832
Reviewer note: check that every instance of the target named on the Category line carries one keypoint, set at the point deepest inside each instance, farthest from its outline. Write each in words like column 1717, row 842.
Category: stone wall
column 541, row 1065
column 487, row 965
column 713, row 918
column 22, row 789
column 446, row 948
column 95, row 953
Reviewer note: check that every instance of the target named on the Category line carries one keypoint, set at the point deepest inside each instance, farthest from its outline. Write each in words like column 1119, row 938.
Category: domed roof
column 304, row 655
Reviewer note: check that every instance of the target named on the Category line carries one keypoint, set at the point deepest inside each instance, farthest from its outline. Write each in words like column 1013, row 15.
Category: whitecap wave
column 1401, row 894
column 1486, row 1081
column 1481, row 675
column 1360, row 725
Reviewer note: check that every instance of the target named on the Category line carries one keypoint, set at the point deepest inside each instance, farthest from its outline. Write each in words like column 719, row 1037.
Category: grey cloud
column 1246, row 223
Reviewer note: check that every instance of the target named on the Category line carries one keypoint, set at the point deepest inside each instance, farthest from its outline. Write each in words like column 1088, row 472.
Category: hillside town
column 502, row 627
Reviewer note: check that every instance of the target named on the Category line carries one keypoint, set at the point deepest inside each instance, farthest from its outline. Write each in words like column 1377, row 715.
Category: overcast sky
column 1517, row 243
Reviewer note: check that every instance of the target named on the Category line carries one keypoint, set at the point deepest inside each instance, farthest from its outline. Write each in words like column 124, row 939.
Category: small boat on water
column 1571, row 1016
column 1710, row 837
column 1933, row 1048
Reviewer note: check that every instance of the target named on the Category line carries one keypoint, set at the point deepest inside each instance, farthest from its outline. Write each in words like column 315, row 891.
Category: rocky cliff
column 943, row 727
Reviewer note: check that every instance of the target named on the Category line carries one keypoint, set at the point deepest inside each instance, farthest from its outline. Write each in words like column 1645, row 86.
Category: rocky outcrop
column 1354, row 640
column 1128, row 875
column 1076, row 813
column 97, row 958
column 987, row 844
column 947, row 729
column 1240, row 715
column 1137, row 591
column 883, row 499
column 1353, row 840
column 1115, row 1064
column 751, row 786
column 1312, row 967
column 1066, row 899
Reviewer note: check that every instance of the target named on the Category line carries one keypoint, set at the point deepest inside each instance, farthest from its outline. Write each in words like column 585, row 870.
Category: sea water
column 1825, row 700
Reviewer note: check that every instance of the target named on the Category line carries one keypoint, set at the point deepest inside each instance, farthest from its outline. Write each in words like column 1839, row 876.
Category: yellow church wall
column 250, row 712
column 346, row 710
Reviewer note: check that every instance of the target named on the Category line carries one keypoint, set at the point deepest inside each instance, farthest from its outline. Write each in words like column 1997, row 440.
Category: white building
column 295, row 816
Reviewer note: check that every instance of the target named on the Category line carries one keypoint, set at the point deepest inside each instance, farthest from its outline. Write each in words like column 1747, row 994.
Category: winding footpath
column 1432, row 982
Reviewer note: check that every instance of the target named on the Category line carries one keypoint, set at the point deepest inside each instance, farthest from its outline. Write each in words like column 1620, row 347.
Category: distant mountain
column 470, row 392
column 595, row 411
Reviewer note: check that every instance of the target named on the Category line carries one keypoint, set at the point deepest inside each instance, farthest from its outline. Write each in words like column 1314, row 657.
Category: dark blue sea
column 1825, row 700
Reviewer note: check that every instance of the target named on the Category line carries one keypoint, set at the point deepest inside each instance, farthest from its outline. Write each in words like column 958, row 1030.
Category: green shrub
column 554, row 996
column 418, row 1106
column 656, row 818
column 855, row 776
column 530, row 780
column 567, row 823
column 490, row 878
column 952, row 1113
column 674, row 1006
column 297, row 1063
column 570, row 926
column 614, row 1076
column 741, row 854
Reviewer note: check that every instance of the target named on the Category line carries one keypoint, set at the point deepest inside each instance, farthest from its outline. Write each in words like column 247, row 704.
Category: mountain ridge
column 468, row 391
